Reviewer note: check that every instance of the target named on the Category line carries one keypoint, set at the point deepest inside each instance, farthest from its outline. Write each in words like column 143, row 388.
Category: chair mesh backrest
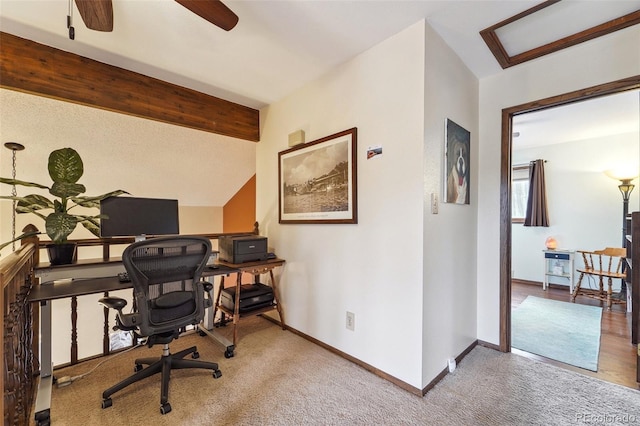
column 165, row 273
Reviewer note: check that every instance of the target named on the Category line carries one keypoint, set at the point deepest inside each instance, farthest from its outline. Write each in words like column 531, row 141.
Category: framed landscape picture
column 318, row 181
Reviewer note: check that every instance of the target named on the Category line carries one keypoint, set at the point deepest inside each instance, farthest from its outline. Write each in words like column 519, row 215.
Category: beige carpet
column 279, row 378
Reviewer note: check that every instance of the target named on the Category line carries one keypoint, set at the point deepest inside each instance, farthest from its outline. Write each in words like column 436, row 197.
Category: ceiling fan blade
column 213, row 11
column 96, row 14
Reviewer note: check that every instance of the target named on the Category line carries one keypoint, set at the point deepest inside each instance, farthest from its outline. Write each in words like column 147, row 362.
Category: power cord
column 591, row 282
column 67, row 380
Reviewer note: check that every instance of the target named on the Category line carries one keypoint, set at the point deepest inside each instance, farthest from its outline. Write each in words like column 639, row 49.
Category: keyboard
column 123, row 277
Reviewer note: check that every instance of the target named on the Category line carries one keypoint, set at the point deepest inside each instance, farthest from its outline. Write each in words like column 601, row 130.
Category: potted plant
column 65, row 168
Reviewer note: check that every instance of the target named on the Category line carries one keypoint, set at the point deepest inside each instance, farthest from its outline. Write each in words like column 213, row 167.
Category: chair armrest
column 123, row 321
column 208, row 287
column 113, row 302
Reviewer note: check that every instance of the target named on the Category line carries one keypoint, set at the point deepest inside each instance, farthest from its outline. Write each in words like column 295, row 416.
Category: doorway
column 506, row 162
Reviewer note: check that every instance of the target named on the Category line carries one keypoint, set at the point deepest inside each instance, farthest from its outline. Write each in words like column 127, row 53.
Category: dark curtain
column 537, row 212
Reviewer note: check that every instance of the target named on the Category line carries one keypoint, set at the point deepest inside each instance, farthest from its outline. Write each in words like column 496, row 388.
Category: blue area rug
column 563, row 331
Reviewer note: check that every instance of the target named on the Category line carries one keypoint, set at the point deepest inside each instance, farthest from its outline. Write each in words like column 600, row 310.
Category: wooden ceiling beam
column 34, row 68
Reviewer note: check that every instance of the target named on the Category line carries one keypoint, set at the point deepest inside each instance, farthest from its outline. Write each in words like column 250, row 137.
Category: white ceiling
column 276, row 47
column 604, row 116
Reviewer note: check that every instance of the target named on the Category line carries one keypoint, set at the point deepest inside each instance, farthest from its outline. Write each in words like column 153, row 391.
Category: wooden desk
column 256, row 269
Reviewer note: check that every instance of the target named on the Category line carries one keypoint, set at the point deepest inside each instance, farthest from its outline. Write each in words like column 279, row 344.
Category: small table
column 256, row 269
column 558, row 263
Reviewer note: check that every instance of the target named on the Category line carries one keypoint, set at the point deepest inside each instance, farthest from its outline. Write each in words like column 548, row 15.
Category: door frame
column 617, row 86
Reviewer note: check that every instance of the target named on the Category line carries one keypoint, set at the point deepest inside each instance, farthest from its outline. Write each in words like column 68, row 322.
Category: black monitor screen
column 130, row 216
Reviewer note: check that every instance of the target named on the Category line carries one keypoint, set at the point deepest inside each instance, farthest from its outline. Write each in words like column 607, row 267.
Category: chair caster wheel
column 106, row 403
column 195, row 355
column 137, row 368
column 165, row 408
column 202, row 333
column 217, row 374
column 42, row 418
column 228, row 354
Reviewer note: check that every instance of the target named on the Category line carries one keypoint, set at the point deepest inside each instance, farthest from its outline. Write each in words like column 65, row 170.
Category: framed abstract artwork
column 318, row 181
column 456, row 163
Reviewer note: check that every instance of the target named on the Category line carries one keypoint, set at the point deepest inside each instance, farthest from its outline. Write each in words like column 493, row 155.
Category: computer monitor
column 138, row 217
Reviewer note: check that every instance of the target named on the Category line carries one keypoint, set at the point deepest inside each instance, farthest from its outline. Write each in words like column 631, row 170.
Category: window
column 519, row 193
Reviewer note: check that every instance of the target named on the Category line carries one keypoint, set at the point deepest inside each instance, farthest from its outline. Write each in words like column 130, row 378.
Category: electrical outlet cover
column 351, row 321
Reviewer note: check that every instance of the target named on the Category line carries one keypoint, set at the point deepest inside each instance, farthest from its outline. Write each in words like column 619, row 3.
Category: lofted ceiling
column 277, row 46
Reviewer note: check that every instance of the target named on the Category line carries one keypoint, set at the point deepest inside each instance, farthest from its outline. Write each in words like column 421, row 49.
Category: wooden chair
column 601, row 264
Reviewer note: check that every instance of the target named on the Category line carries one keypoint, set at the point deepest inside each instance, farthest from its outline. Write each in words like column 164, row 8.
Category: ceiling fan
column 98, row 14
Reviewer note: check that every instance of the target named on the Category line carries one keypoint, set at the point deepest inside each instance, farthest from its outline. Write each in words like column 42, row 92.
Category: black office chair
column 168, row 296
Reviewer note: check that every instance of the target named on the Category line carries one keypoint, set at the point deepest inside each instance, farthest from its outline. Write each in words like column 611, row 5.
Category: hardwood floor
column 617, row 361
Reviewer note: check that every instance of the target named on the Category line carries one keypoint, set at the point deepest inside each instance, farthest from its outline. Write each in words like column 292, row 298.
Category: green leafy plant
column 65, row 169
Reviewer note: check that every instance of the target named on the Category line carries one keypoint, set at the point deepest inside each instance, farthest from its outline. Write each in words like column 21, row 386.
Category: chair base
column 164, row 365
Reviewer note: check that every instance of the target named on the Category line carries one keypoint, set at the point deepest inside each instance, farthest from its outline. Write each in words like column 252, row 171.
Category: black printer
column 240, row 249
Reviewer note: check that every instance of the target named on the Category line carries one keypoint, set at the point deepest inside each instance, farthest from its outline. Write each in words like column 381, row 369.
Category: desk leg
column 43, row 399
column 236, row 308
column 229, row 347
column 276, row 296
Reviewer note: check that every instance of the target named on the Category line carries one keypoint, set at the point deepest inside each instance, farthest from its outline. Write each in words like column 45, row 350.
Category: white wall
column 598, row 61
column 374, row 268
column 585, row 206
column 408, row 276
column 451, row 91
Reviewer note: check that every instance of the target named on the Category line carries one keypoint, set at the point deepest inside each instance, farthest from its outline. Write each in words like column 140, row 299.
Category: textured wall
column 143, row 157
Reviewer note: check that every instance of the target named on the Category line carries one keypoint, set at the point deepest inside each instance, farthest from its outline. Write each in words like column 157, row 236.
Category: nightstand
column 558, row 263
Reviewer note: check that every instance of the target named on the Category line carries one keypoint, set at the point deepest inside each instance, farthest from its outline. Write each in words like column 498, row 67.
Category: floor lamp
column 14, row 147
column 625, row 188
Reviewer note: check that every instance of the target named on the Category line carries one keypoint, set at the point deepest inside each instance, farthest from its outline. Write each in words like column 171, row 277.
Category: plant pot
column 62, row 254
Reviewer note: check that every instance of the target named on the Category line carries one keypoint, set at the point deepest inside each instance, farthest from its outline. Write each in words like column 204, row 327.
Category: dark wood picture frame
column 317, row 181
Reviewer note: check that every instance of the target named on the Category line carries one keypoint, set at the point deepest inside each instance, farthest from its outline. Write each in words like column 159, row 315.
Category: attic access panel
column 545, row 27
